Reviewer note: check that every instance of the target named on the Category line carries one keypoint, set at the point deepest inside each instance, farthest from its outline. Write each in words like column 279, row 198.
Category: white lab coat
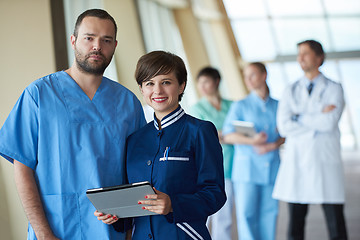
column 311, row 168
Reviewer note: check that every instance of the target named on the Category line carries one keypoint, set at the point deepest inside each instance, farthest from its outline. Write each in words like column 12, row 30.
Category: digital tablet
column 246, row 128
column 121, row 200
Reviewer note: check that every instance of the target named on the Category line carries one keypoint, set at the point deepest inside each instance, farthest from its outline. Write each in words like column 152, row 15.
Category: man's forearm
column 30, row 198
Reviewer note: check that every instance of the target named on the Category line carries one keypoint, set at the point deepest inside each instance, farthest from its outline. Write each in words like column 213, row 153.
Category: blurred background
column 35, row 41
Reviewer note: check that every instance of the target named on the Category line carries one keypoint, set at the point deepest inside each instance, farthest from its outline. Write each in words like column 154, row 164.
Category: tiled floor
column 316, row 226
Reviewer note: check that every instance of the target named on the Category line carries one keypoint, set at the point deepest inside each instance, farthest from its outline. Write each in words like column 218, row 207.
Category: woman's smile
column 160, row 99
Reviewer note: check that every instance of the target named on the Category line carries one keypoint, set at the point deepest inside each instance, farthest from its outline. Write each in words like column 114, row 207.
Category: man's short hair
column 99, row 13
column 316, row 47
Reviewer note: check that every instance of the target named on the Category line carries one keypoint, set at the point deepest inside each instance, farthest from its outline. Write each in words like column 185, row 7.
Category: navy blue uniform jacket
column 191, row 173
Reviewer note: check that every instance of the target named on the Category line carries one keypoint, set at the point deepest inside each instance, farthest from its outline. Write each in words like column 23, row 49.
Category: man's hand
column 328, row 108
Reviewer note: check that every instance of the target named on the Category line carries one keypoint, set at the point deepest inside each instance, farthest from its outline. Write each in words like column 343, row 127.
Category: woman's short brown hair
column 160, row 63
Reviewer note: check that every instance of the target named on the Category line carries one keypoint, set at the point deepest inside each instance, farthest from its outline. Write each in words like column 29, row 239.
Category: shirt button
column 150, row 236
column 149, row 162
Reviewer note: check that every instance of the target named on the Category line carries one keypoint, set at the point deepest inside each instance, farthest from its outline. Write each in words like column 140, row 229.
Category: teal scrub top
column 72, row 143
column 205, row 111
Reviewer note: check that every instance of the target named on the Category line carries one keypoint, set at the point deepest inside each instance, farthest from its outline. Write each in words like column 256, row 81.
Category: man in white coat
column 311, row 170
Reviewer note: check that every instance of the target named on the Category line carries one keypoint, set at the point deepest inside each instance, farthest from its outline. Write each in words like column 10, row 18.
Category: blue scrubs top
column 72, row 143
column 192, row 174
column 249, row 166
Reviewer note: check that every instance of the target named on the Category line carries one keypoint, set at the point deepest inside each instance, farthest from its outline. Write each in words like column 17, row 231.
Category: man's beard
column 85, row 66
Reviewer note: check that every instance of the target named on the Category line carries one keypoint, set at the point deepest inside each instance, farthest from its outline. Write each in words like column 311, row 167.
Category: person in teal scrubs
column 67, row 133
column 212, row 107
column 256, row 158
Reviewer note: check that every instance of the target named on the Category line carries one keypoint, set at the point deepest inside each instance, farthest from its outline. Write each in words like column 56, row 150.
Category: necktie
column 310, row 88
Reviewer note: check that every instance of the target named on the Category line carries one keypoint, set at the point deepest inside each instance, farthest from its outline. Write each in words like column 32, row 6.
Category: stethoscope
column 298, row 94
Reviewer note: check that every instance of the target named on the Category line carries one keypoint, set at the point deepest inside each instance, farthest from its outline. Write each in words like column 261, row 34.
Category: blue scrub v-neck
column 80, row 107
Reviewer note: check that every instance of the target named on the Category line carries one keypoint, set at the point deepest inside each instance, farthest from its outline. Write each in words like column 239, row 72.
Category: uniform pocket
column 178, row 171
column 63, row 215
column 176, row 156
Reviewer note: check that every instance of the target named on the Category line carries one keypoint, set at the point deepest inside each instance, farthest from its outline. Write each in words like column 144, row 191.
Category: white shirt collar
column 307, row 81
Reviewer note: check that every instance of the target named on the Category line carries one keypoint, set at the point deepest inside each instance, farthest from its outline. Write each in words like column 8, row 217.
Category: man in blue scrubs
column 67, row 134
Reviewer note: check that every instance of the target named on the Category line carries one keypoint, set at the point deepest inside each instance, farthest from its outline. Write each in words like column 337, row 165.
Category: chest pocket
column 178, row 170
column 176, row 163
column 176, row 156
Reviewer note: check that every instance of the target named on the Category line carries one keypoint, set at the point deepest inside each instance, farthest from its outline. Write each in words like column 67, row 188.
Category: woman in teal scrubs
column 212, row 107
column 256, row 158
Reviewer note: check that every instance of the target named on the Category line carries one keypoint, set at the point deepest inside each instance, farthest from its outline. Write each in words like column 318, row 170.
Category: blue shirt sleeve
column 19, row 134
column 210, row 196
column 140, row 118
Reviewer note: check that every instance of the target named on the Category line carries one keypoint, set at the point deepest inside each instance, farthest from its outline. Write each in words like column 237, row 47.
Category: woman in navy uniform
column 178, row 154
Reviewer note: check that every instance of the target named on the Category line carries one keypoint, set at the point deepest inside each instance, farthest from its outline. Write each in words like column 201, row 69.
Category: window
column 161, row 33
column 268, row 31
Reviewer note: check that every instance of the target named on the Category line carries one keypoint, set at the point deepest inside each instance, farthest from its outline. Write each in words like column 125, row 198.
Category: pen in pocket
column 166, row 153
